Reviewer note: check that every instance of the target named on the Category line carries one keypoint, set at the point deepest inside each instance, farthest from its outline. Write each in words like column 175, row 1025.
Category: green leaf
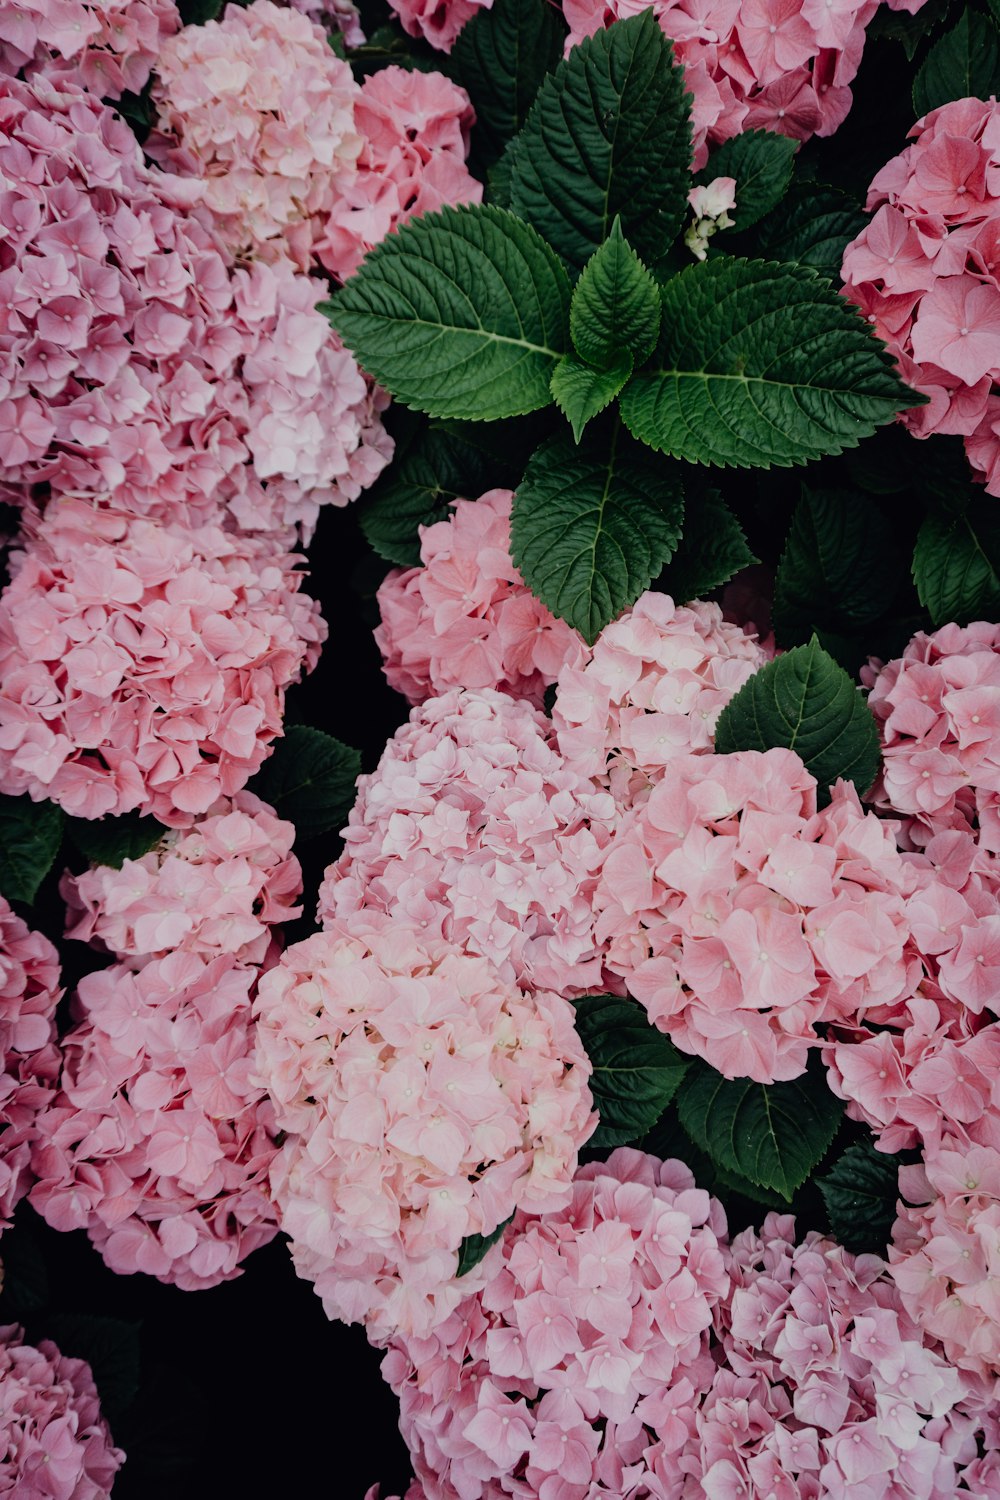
column 964, row 64
column 592, row 526
column 808, row 704
column 760, row 364
column 501, row 57
column 475, row 1246
column 956, row 564
column 608, row 134
column 111, row 1348
column 899, row 26
column 111, row 841
column 773, row 1134
column 462, row 313
column 637, row 1070
column 761, row 162
column 860, row 1192
column 197, row 12
column 30, row 835
column 839, row 567
column 711, row 549
column 581, row 392
column 813, row 226
column 309, row 779
column 616, row 305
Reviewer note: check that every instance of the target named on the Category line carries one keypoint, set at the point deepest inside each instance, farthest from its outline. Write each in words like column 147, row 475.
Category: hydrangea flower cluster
column 424, row 1099
column 259, row 107
column 54, row 1441
column 654, row 685
column 144, row 665
column 466, row 618
column 741, row 917
column 438, row 23
column 926, row 273
column 159, row 1143
column 212, row 889
column 29, row 1054
column 473, row 828
column 107, row 45
column 590, row 1333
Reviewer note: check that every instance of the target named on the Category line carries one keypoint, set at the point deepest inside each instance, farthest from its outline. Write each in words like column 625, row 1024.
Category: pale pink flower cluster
column 438, row 21
column 415, row 132
column 710, row 204
column 259, row 107
column 741, row 918
column 573, row 1372
column 109, row 46
column 337, row 15
column 54, row 1442
column 424, row 1099
column 926, row 273
column 217, row 887
column 159, row 1143
column 29, row 1054
column 144, row 665
column 657, row 679
column 135, row 363
column 466, row 618
column 473, row 828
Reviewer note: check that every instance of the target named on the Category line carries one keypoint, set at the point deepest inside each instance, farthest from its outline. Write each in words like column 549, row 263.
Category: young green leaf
column 956, row 564
column 839, row 568
column 608, row 134
column 462, row 313
column 111, row 841
column 637, row 1070
column 861, row 1192
column 711, row 550
column 475, row 1247
column 964, row 64
column 761, row 162
column 592, row 526
column 813, row 226
column 806, row 703
column 616, row 305
column 760, row 364
column 581, row 392
column 309, row 780
column 501, row 56
column 30, row 835
column 773, row 1134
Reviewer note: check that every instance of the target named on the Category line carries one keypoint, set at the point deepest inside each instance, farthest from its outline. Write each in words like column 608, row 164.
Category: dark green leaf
column 839, row 568
column 111, row 841
column 899, row 26
column 608, row 134
column 309, row 779
column 807, row 703
column 111, row 1348
column 25, row 1285
column 964, row 64
column 581, row 392
column 711, row 549
column 475, row 1246
column 813, row 226
column 637, row 1070
column 761, row 162
column 592, row 526
column 860, row 1192
column 501, row 56
column 462, row 313
column 197, row 12
column 956, row 564
column 616, row 306
column 30, row 835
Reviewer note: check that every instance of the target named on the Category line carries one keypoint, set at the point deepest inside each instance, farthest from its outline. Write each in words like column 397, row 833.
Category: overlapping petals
column 107, row 45
column 29, row 1054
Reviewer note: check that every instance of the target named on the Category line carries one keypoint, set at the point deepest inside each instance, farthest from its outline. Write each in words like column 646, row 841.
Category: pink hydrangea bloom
column 145, row 665
column 108, row 46
column 926, row 273
column 466, row 619
column 54, row 1441
column 159, row 1143
column 217, row 887
column 438, row 21
column 415, row 130
column 29, row 1054
column 656, row 681
column 340, row 16
column 136, row 363
column 260, row 108
column 424, row 1099
column 474, row 828
column 742, row 918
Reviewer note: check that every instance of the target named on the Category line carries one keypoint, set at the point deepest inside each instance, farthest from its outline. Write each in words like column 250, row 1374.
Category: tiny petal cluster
column 29, row 1054
column 926, row 273
column 655, row 683
column 424, row 1099
column 437, row 21
column 465, row 618
column 710, row 209
column 109, row 46
column 55, row 1443
column 144, row 666
column 475, row 829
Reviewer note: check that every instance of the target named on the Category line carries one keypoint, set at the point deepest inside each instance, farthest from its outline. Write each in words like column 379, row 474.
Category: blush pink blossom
column 423, row 1100
column 437, row 21
column 29, row 1053
column 108, row 46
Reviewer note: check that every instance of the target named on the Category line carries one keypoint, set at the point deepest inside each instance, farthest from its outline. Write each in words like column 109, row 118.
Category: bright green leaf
column 839, row 568
column 760, row 364
column 608, row 134
column 581, row 392
column 861, row 1192
column 637, row 1070
column 761, row 162
column 111, row 841
column 462, row 313
column 964, row 64
column 813, row 225
column 592, row 526
column 501, row 56
column 710, row 551
column 805, row 702
column 956, row 564
column 30, row 835
column 310, row 780
column 616, row 305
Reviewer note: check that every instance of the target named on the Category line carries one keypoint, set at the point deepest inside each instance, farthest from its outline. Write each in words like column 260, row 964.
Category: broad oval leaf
column 956, row 564
column 30, row 835
column 501, row 56
column 616, row 305
column 637, row 1070
column 964, row 64
column 760, row 363
column 807, row 703
column 111, row 841
column 711, row 550
column 813, row 226
column 581, row 392
column 310, row 780
column 839, row 567
column 861, row 1193
column 761, row 163
column 608, row 134
column 462, row 313
column 591, row 527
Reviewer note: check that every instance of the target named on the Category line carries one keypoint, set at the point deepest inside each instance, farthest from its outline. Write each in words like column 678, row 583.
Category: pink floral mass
column 29, row 1055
